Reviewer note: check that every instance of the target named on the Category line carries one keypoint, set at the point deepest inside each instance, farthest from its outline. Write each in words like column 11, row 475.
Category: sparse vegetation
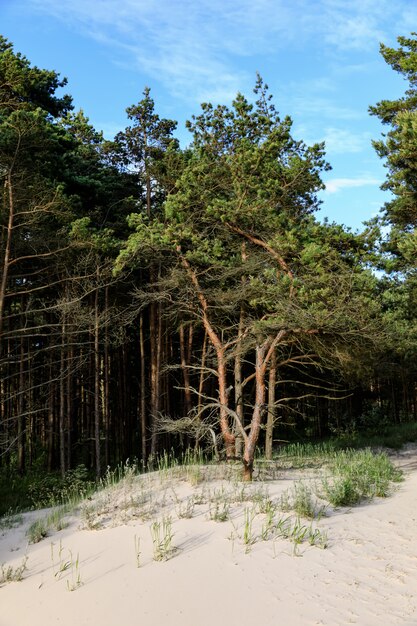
column 219, row 511
column 162, row 536
column 10, row 520
column 37, row 531
column 10, row 573
column 301, row 500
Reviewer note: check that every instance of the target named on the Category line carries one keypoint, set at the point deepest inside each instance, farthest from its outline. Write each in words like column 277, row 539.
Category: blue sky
column 320, row 59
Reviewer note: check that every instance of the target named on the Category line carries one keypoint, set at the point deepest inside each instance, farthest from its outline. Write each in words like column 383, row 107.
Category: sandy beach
column 354, row 566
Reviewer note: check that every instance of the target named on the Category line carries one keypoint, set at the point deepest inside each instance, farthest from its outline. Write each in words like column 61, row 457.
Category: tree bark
column 7, row 250
column 62, row 402
column 269, row 437
column 142, row 389
column 185, row 371
column 228, row 436
column 97, row 380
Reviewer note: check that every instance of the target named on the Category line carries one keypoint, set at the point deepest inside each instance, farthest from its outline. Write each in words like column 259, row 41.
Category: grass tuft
column 9, row 574
column 359, row 475
column 162, row 536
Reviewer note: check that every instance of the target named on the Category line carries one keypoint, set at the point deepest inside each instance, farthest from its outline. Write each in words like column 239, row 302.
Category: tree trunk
column 97, row 382
column 21, row 436
column 62, row 403
column 252, row 438
column 269, row 438
column 142, row 389
column 7, row 249
column 228, row 436
column 106, row 376
column 185, row 371
column 238, row 384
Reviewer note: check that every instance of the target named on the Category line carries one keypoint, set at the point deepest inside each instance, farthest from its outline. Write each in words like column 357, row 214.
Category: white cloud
column 193, row 46
column 341, row 141
column 337, row 140
column 337, row 184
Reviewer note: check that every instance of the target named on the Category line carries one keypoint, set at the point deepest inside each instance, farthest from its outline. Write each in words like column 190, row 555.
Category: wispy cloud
column 342, row 141
column 194, row 47
column 337, row 184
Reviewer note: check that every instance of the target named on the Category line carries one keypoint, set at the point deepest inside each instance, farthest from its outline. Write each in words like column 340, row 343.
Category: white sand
column 367, row 575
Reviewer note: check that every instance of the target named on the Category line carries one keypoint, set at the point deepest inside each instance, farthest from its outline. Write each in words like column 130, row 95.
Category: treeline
column 154, row 297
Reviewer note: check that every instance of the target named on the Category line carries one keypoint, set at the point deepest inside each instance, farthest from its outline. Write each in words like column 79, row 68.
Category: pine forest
column 157, row 299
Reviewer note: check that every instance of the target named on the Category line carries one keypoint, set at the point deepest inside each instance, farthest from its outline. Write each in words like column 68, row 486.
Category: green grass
column 356, row 475
column 37, row 531
column 301, row 500
column 42, row 527
column 162, row 536
column 10, row 520
column 311, row 454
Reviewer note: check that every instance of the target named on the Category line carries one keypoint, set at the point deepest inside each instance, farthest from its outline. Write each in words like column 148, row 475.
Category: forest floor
column 194, row 546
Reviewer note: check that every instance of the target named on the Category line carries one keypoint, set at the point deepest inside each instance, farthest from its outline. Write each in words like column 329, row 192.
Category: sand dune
column 366, row 575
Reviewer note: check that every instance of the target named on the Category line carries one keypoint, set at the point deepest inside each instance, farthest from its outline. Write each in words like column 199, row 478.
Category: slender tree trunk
column 69, row 406
column 9, row 201
column 251, row 440
column 228, row 436
column 21, row 410
column 153, row 329
column 238, row 383
column 106, row 383
column 97, row 380
column 142, row 388
column 270, row 420
column 264, row 353
column 201, row 385
column 185, row 371
column 62, row 402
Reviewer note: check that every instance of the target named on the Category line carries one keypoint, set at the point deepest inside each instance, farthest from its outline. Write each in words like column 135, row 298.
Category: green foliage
column 52, row 489
column 300, row 499
column 162, row 536
column 26, row 86
column 10, row 520
column 359, row 475
column 298, row 533
column 37, row 531
column 399, row 145
column 219, row 511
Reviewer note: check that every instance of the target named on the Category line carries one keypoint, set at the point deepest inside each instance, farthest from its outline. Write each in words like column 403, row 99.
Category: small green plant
column 317, row 538
column 195, row 475
column 298, row 533
column 162, row 536
column 185, row 509
column 199, row 498
column 37, row 531
column 56, row 519
column 341, row 491
column 266, row 505
column 10, row 520
column 63, row 564
column 89, row 517
column 357, row 475
column 8, row 573
column 241, row 494
column 268, row 525
column 219, row 511
column 248, row 535
column 75, row 581
column 300, row 500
